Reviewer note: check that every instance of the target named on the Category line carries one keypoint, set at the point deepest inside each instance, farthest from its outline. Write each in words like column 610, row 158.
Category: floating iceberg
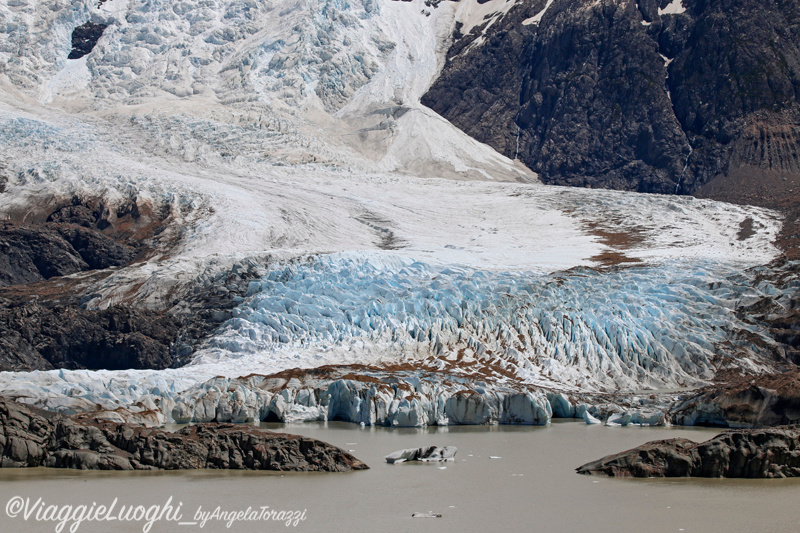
column 431, row 454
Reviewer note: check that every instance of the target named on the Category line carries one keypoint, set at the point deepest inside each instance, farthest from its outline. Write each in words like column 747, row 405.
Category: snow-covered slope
column 290, row 80
column 290, row 134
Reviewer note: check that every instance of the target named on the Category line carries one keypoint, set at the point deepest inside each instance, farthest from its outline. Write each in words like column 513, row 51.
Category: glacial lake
column 504, row 478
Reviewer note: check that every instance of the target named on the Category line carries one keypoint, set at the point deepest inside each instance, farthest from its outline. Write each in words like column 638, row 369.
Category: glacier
column 646, row 327
column 447, row 284
column 400, row 343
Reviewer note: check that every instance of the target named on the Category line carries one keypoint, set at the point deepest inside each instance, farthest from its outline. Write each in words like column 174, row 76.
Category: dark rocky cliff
column 48, row 268
column 631, row 95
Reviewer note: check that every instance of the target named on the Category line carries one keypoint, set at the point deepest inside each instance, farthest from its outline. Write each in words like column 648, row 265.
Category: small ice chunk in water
column 428, row 454
column 590, row 419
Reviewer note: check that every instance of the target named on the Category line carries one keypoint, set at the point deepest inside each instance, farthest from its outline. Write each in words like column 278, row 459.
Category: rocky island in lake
column 743, row 453
column 31, row 437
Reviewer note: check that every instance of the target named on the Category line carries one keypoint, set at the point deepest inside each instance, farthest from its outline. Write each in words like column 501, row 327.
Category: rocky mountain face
column 42, row 336
column 669, row 96
column 29, row 254
column 31, row 437
column 47, row 267
column 84, row 39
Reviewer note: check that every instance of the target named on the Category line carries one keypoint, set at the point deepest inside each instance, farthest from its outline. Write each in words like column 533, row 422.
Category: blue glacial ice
column 643, row 327
column 449, row 346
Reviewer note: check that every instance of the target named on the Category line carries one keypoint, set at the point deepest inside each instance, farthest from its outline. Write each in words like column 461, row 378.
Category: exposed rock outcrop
column 40, row 337
column 84, row 39
column 767, row 453
column 70, row 240
column 45, row 326
column 761, row 401
column 29, row 254
column 26, row 434
column 654, row 96
column 45, row 322
column 31, row 437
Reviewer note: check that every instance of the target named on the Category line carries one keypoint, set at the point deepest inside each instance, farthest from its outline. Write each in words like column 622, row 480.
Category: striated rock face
column 26, row 435
column 655, row 96
column 46, row 318
column 35, row 253
column 46, row 325
column 30, row 437
column 767, row 453
column 29, row 255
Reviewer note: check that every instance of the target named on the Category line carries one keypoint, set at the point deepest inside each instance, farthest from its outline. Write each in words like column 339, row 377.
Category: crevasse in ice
column 652, row 326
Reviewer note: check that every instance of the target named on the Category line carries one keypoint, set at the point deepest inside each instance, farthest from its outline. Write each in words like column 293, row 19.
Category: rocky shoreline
column 31, row 437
